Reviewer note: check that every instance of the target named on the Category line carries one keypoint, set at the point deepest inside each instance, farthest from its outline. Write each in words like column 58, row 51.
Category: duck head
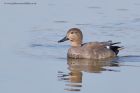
column 74, row 35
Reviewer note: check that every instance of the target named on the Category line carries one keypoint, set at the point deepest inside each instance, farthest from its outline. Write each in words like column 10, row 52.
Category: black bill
column 64, row 39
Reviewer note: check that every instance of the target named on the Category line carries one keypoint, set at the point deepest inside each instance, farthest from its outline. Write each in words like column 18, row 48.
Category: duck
column 90, row 50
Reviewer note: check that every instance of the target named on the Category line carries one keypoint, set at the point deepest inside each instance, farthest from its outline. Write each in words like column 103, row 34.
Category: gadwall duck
column 90, row 50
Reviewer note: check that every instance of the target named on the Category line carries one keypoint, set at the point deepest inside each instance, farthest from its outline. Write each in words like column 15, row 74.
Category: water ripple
column 122, row 9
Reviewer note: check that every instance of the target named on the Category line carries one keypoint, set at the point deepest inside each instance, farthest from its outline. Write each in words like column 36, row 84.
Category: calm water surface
column 31, row 60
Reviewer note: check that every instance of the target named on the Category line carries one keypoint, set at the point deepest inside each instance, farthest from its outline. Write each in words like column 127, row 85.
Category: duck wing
column 109, row 43
column 112, row 46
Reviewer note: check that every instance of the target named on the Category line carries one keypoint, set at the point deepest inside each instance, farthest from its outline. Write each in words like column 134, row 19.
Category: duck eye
column 71, row 32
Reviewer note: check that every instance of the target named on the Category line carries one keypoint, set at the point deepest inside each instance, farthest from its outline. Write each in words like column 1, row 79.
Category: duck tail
column 116, row 49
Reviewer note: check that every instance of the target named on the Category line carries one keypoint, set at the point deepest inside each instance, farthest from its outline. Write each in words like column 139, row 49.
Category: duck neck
column 76, row 44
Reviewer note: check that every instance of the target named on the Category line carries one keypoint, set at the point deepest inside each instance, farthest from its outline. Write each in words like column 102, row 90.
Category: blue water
column 31, row 60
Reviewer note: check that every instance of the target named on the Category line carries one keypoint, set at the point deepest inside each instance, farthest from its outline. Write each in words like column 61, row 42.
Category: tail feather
column 109, row 44
column 116, row 49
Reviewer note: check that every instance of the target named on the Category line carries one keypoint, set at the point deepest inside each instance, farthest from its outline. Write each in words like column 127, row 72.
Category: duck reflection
column 78, row 66
column 91, row 66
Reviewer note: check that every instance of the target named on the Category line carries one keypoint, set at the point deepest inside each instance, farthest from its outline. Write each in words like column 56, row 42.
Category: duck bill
column 63, row 39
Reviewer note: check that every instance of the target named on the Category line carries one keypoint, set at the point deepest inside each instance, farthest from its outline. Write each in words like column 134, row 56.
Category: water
column 31, row 60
